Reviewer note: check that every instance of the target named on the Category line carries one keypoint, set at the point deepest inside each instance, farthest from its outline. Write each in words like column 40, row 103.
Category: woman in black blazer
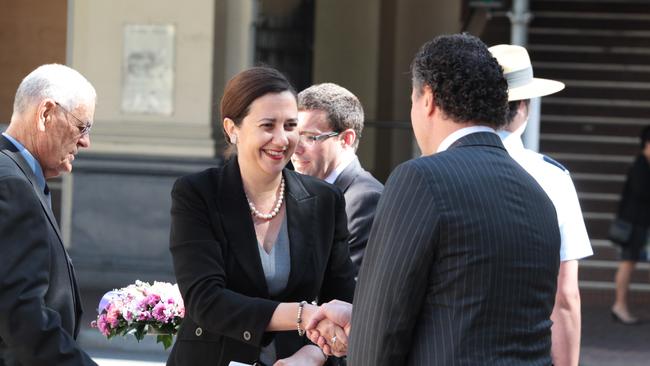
column 252, row 240
column 635, row 209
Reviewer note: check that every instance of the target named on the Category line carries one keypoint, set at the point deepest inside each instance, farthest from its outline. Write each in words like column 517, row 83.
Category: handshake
column 329, row 327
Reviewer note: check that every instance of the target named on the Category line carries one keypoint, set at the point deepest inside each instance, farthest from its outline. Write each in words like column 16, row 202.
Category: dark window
column 284, row 39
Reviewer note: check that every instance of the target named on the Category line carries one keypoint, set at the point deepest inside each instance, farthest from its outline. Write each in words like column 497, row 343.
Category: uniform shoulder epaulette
column 553, row 162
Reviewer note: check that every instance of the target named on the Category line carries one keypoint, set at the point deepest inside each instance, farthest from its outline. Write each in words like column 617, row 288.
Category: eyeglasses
column 83, row 130
column 312, row 139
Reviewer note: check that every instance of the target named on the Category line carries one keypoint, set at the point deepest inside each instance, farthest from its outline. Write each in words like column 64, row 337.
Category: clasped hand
column 330, row 326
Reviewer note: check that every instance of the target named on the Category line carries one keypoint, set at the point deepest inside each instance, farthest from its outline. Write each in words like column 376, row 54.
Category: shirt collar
column 31, row 161
column 456, row 135
column 512, row 140
column 347, row 159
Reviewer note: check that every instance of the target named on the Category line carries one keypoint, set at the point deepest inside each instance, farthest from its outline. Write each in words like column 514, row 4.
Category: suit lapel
column 7, row 148
column 238, row 224
column 301, row 208
column 240, row 232
column 347, row 175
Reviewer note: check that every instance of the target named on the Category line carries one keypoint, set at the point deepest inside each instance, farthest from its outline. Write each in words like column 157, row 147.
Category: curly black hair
column 467, row 82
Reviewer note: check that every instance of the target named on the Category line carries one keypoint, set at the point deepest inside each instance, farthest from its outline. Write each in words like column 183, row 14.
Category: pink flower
column 128, row 315
column 113, row 315
column 158, row 312
column 153, row 299
column 142, row 304
column 144, row 316
column 102, row 325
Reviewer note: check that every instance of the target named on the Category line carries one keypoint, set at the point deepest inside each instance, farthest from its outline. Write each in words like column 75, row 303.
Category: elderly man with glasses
column 330, row 120
column 40, row 306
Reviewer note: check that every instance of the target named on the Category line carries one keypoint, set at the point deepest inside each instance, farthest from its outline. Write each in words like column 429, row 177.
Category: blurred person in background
column 330, row 122
column 634, row 208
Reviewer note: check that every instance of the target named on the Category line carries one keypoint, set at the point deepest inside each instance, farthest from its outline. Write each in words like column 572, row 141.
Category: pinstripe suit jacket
column 461, row 264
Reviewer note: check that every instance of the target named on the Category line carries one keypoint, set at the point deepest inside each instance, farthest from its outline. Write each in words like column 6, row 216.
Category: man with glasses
column 330, row 120
column 40, row 306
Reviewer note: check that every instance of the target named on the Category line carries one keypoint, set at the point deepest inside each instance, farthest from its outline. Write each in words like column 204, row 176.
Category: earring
column 233, row 139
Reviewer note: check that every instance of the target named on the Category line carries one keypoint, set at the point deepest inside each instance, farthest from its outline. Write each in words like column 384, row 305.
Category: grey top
column 276, row 265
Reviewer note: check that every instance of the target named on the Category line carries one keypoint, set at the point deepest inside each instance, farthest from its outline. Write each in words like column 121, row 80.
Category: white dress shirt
column 456, row 135
column 347, row 159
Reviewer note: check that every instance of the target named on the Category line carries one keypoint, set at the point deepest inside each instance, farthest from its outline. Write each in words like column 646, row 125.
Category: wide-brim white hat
column 518, row 71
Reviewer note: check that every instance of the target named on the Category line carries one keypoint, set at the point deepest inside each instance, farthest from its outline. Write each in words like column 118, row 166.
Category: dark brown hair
column 242, row 90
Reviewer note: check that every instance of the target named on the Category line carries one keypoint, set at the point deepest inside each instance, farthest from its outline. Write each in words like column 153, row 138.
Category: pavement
column 604, row 342
column 124, row 362
column 122, row 352
column 608, row 343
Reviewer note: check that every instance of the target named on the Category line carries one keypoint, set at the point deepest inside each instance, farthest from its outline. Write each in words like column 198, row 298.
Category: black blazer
column 220, row 275
column 362, row 192
column 635, row 201
column 39, row 299
column 461, row 265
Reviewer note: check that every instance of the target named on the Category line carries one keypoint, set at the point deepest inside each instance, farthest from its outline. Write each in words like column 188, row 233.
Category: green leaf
column 165, row 339
column 139, row 332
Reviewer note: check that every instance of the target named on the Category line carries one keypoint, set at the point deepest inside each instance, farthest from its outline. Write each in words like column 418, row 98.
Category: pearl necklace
column 273, row 212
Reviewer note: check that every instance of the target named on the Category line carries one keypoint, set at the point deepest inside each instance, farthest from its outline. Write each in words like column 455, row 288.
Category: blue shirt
column 36, row 168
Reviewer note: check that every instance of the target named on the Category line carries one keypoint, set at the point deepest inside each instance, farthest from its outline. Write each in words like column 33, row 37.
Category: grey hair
column 343, row 109
column 59, row 82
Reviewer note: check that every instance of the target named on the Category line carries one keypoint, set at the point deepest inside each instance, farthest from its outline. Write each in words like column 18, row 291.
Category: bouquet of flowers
column 140, row 309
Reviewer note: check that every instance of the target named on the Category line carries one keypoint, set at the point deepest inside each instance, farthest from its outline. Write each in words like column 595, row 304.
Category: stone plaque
column 148, row 69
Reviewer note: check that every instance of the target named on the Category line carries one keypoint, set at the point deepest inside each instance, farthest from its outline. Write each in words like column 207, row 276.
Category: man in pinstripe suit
column 462, row 260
